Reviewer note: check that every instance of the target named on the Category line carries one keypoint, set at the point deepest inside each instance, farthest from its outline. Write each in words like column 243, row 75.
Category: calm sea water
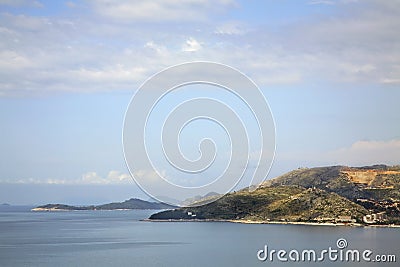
column 119, row 238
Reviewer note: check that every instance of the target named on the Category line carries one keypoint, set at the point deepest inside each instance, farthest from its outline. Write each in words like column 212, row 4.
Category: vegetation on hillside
column 308, row 194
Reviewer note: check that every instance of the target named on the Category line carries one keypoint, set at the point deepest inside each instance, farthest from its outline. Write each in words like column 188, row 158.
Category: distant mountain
column 200, row 200
column 193, row 201
column 135, row 203
column 130, row 204
column 327, row 194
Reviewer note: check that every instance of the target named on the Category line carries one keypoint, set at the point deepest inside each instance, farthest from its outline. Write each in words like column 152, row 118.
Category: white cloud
column 117, row 73
column 159, row 49
column 360, row 153
column 91, row 177
column 21, row 3
column 150, row 176
column 231, row 28
column 346, row 45
column 116, row 176
column 96, row 53
column 391, row 81
column 367, row 153
column 11, row 60
column 113, row 177
column 159, row 10
column 321, row 2
column 25, row 22
column 191, row 45
column 392, row 77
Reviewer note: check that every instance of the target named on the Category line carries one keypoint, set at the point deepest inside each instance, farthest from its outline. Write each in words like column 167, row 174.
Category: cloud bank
column 116, row 45
column 89, row 178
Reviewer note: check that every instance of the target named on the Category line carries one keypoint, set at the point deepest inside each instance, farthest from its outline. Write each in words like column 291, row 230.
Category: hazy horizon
column 76, row 193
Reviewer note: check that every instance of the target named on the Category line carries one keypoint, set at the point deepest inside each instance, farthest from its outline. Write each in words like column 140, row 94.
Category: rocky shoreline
column 275, row 222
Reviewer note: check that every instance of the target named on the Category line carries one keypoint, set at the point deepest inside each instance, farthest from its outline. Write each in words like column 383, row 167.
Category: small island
column 336, row 195
column 131, row 204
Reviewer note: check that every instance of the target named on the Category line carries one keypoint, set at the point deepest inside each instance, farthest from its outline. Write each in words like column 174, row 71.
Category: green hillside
column 334, row 194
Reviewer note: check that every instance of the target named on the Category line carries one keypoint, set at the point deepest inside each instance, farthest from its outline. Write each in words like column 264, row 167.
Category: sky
column 330, row 71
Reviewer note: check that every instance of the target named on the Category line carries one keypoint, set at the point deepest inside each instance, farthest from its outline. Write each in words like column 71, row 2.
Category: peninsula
column 332, row 195
column 130, row 204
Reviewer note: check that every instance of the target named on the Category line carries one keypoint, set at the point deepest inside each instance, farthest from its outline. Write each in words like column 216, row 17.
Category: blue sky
column 330, row 71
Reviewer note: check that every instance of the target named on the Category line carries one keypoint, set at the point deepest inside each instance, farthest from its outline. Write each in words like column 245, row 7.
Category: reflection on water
column 119, row 238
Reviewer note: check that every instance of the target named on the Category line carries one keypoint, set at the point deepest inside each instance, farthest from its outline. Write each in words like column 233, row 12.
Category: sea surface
column 120, row 238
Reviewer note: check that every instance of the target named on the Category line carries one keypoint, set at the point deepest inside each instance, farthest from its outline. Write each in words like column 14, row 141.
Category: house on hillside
column 374, row 218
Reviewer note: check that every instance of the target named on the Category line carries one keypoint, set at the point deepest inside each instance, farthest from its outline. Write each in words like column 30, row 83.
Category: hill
column 325, row 194
column 130, row 204
column 376, row 188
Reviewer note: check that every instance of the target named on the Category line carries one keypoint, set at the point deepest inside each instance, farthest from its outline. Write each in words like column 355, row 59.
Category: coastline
column 231, row 221
column 48, row 209
column 275, row 222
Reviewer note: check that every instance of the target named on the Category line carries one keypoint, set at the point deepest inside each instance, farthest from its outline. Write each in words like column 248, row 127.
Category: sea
column 123, row 238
